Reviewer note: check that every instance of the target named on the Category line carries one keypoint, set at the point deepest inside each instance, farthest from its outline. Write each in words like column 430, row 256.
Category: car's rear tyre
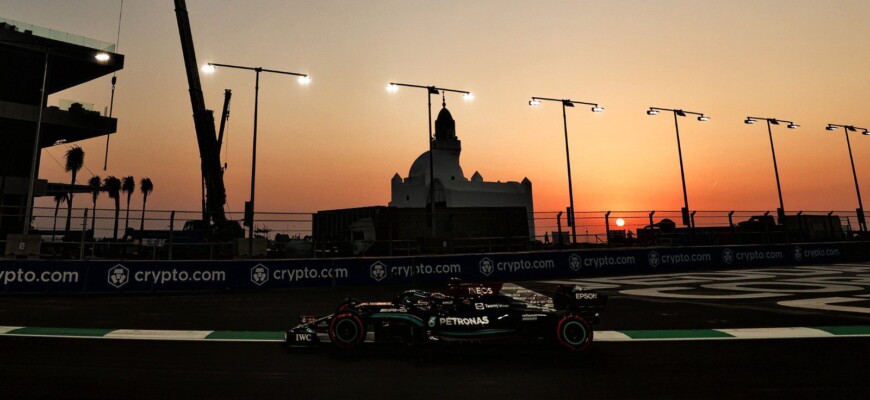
column 573, row 333
column 347, row 330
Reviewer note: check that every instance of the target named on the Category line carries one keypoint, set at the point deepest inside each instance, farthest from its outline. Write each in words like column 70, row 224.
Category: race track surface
column 807, row 296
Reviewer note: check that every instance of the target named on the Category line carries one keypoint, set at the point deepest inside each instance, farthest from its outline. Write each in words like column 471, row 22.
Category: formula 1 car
column 471, row 312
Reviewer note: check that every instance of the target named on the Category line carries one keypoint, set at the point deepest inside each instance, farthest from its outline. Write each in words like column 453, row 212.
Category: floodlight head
column 680, row 113
column 773, row 121
column 597, row 109
column 749, row 121
column 392, row 87
column 866, row 132
column 793, row 126
column 851, row 128
column 468, row 96
column 652, row 112
column 304, row 80
column 534, row 102
column 102, row 57
column 208, row 68
column 831, row 128
column 703, row 118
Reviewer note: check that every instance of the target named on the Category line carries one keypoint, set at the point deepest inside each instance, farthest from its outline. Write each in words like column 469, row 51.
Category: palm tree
column 96, row 184
column 75, row 159
column 58, row 198
column 128, row 185
column 146, row 187
column 112, row 186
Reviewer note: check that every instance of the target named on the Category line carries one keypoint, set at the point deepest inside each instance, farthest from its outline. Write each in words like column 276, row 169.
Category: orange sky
column 337, row 142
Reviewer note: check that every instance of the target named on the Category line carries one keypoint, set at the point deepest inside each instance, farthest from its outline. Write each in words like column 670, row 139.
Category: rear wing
column 588, row 303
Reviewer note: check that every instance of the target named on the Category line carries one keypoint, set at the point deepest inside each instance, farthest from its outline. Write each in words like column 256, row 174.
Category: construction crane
column 214, row 192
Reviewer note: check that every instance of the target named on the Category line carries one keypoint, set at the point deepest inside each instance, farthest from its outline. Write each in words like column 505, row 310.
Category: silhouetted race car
column 470, row 312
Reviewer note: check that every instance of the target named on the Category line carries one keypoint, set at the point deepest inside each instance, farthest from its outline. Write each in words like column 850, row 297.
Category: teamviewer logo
column 259, row 274
column 575, row 262
column 486, row 267
column 119, row 275
column 378, row 271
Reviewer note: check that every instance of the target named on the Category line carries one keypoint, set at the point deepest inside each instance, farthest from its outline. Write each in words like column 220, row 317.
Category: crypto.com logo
column 119, row 275
column 798, row 254
column 727, row 256
column 653, row 259
column 486, row 267
column 378, row 271
column 575, row 262
column 259, row 274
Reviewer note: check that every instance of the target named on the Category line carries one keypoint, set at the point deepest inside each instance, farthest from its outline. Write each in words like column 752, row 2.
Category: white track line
column 775, row 333
column 610, row 336
column 7, row 329
column 157, row 334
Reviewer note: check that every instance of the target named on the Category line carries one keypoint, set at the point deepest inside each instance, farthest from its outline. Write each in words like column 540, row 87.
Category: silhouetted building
column 27, row 54
column 452, row 188
column 469, row 215
column 383, row 230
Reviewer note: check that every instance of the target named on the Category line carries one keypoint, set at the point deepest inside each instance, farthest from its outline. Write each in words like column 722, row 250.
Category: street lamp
column 780, row 212
column 249, row 208
column 862, row 224
column 393, row 87
column 687, row 220
column 536, row 101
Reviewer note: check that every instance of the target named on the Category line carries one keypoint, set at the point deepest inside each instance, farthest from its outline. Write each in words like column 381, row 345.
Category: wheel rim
column 346, row 330
column 574, row 333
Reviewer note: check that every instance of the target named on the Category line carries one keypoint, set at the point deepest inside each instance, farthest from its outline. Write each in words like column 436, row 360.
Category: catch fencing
column 168, row 235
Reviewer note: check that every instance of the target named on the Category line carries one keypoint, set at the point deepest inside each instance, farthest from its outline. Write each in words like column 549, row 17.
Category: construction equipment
column 209, row 145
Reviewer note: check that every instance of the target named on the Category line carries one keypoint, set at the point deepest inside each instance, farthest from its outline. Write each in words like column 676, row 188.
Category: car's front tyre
column 347, row 330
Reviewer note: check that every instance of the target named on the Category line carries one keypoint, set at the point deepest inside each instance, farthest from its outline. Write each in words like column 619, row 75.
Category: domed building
column 451, row 188
column 469, row 213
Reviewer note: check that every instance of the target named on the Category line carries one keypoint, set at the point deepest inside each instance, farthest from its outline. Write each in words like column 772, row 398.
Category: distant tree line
column 75, row 160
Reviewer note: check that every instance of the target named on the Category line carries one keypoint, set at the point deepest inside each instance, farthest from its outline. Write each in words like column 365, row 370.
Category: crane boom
column 203, row 120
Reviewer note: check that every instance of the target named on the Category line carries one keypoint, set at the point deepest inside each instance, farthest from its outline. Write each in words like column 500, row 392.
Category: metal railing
column 40, row 31
column 169, row 234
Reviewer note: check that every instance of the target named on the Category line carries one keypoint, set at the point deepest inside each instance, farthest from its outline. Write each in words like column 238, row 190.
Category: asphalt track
column 39, row 367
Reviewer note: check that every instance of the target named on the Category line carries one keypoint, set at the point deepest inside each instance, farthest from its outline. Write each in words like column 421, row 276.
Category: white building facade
column 451, row 187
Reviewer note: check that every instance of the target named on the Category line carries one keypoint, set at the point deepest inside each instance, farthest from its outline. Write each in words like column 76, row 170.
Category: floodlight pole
column 682, row 170
column 687, row 220
column 568, row 103
column 257, row 70
column 781, row 211
column 28, row 208
column 862, row 223
column 775, row 170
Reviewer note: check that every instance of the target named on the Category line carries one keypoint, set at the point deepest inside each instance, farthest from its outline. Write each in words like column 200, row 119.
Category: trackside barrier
column 38, row 276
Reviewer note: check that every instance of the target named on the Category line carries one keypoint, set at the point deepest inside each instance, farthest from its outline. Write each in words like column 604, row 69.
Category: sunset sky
column 337, row 142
